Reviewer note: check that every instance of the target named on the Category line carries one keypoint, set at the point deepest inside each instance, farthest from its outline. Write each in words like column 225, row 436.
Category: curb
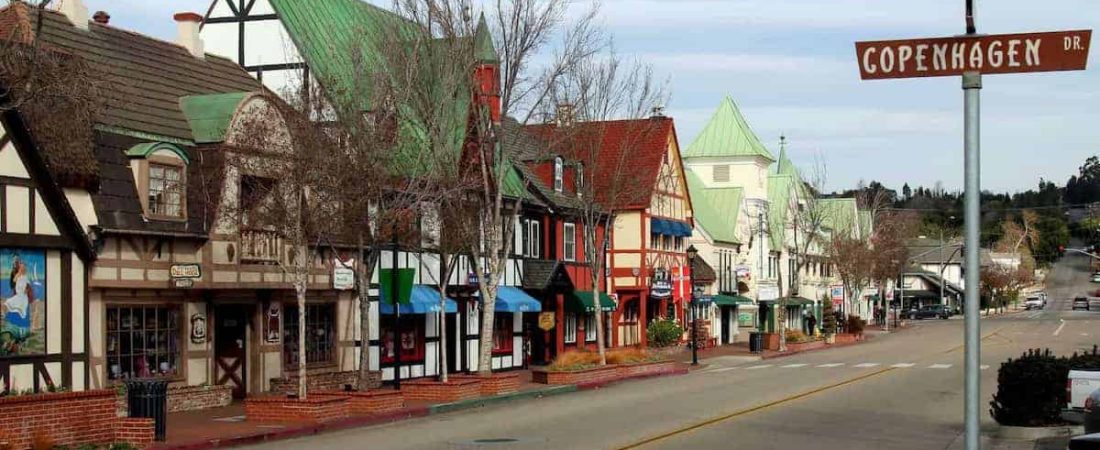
column 502, row 398
column 600, row 384
column 1036, row 433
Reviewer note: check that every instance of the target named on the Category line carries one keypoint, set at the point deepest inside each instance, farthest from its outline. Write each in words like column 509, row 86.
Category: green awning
column 731, row 300
column 797, row 301
column 581, row 301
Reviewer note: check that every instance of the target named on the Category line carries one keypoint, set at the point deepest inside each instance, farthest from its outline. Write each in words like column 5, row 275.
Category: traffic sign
column 985, row 54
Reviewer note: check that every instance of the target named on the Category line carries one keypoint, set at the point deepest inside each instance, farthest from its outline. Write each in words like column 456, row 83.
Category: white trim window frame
column 559, row 174
column 569, row 241
column 570, row 328
column 590, row 327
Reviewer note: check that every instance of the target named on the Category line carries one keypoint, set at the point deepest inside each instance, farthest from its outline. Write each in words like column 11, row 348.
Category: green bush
column 855, row 324
column 663, row 332
column 828, row 317
column 1031, row 390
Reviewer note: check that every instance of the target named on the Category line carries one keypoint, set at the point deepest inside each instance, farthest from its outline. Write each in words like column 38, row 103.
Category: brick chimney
column 188, row 24
column 101, row 17
column 76, row 12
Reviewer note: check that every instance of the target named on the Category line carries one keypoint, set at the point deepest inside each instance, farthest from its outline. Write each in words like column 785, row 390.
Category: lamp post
column 691, row 253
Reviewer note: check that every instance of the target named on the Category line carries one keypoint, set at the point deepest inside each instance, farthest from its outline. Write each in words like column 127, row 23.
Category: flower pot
column 830, row 338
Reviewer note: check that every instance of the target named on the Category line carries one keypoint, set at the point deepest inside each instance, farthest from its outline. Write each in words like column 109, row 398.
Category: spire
column 727, row 134
column 779, row 166
column 483, row 42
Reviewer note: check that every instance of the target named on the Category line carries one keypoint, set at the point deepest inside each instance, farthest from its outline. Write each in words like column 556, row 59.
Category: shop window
column 654, row 241
column 559, row 178
column 532, row 238
column 142, row 341
column 570, row 328
column 166, row 193
column 569, row 241
column 590, row 327
column 320, row 334
column 502, row 333
column 411, row 343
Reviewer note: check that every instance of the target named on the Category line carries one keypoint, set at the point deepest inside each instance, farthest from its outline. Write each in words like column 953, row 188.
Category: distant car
column 1092, row 413
column 1096, row 278
column 1033, row 302
column 1081, row 303
column 930, row 312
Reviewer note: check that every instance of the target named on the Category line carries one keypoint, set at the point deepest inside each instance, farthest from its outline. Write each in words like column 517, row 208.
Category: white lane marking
column 831, row 365
column 791, row 366
column 1084, row 334
column 866, row 365
column 1059, row 330
column 902, row 365
column 758, row 367
column 724, row 369
column 940, row 366
column 983, row 367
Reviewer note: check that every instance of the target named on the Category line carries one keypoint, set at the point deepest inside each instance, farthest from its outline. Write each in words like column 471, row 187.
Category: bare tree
column 808, row 218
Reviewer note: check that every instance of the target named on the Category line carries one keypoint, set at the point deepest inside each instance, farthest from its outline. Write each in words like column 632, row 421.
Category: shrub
column 628, row 356
column 855, row 324
column 663, row 332
column 1030, row 390
column 828, row 317
column 796, row 336
column 574, row 360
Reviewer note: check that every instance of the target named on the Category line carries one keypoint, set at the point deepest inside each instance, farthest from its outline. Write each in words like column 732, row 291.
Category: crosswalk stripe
column 758, row 367
column 983, row 367
column 831, row 365
column 902, row 365
column 866, row 365
column 940, row 366
column 791, row 366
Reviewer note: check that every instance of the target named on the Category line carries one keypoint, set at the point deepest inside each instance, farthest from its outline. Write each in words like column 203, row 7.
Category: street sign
column 985, row 54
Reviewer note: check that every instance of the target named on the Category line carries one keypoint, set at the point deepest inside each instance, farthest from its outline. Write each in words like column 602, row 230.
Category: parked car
column 1085, row 442
column 1081, row 303
column 1096, row 278
column 1092, row 413
column 930, row 312
column 1081, row 388
column 1033, row 302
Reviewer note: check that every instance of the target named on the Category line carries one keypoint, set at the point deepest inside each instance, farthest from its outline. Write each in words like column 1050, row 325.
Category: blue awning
column 512, row 299
column 681, row 229
column 422, row 300
column 659, row 226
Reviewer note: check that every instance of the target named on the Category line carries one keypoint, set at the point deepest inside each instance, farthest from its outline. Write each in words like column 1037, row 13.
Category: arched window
column 558, row 174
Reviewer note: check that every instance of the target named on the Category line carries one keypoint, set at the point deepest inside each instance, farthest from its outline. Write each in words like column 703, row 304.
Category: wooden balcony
column 261, row 247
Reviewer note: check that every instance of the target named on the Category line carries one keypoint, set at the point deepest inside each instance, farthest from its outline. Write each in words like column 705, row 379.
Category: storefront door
column 727, row 313
column 230, row 349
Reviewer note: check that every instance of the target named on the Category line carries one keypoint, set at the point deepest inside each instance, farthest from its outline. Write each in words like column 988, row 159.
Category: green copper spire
column 727, row 134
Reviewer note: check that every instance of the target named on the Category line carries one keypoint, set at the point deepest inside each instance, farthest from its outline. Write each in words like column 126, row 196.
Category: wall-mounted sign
column 343, row 277
column 746, row 319
column 837, row 293
column 272, row 329
column 185, row 271
column 546, row 321
column 183, row 283
column 198, row 328
column 768, row 293
column 743, row 272
column 660, row 289
column 870, row 292
column 23, row 301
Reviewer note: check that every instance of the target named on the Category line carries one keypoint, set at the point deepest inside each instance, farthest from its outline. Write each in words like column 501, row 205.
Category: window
column 679, row 243
column 142, row 341
column 165, row 190
column 412, row 338
column 666, row 242
column 320, row 333
column 558, row 174
column 721, row 174
column 533, row 239
column 579, row 181
column 570, row 328
column 590, row 327
column 569, row 241
column 654, row 241
column 502, row 333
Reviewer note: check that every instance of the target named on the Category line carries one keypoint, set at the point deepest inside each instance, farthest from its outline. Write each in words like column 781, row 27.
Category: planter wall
column 587, row 376
column 846, row 338
column 803, row 346
column 495, row 384
column 324, row 381
column 313, row 409
column 647, row 369
column 69, row 419
column 451, row 391
column 376, row 401
column 771, row 341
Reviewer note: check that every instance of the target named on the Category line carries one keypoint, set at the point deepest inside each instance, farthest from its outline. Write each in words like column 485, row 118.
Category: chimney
column 657, row 112
column 101, row 17
column 76, row 12
column 188, row 24
column 564, row 114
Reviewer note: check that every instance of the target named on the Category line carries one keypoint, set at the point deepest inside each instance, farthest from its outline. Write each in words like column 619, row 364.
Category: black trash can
column 756, row 342
column 149, row 398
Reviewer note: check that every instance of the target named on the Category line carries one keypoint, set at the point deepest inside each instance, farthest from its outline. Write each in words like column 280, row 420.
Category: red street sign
column 987, row 54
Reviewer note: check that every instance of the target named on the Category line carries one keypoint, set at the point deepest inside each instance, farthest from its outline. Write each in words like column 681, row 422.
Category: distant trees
column 1085, row 186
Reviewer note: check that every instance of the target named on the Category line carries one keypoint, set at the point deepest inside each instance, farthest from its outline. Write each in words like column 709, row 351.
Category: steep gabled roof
column 628, row 155
column 716, row 210
column 779, row 198
column 727, row 134
column 839, row 214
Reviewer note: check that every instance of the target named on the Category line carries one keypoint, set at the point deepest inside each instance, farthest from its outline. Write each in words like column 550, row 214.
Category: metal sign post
column 970, row 56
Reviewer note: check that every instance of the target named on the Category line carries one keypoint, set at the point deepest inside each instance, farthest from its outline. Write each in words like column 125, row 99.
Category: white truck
column 1079, row 385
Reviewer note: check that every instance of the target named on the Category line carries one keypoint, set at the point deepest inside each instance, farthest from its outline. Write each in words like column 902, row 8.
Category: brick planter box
column 803, row 346
column 69, row 419
column 847, row 338
column 323, row 381
column 495, row 384
column 647, row 369
column 771, row 341
column 313, row 409
column 451, row 391
column 375, row 401
column 588, row 376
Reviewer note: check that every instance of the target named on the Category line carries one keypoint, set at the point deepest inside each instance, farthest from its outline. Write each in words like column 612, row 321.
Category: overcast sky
column 791, row 67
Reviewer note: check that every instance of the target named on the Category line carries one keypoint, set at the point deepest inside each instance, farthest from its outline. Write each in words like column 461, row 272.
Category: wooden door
column 230, row 348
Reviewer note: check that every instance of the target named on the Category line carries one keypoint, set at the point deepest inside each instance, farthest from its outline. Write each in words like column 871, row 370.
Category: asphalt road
column 900, row 391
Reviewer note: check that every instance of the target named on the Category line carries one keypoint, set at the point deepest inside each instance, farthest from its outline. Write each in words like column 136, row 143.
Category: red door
column 230, row 348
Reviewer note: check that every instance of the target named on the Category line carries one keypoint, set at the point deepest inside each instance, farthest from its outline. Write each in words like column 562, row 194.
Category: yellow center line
column 714, row 420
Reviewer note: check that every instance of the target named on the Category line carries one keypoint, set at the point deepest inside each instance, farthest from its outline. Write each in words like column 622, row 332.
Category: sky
column 791, row 67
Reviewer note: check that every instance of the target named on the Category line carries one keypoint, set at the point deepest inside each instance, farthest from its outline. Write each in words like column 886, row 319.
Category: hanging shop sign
column 185, row 271
column 343, row 277
column 661, row 284
column 546, row 321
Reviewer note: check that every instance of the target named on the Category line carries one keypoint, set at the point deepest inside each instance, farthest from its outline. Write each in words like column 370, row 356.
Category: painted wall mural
column 22, row 302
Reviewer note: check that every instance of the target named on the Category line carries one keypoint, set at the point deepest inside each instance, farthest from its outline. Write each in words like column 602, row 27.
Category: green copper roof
column 483, row 42
column 209, row 115
column 144, row 149
column 727, row 134
column 716, row 210
column 779, row 202
column 839, row 214
column 514, row 185
column 866, row 223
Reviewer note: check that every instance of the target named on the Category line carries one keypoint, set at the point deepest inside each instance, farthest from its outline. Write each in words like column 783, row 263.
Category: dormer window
column 559, row 174
column 160, row 175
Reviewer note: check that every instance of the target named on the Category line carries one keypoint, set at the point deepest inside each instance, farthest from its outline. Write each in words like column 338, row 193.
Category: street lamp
column 691, row 253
